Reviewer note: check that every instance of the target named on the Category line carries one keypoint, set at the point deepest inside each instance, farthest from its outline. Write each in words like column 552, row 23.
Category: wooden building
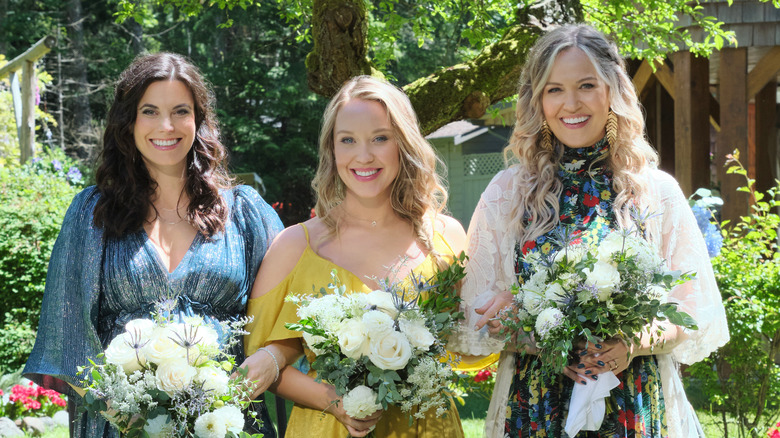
column 699, row 110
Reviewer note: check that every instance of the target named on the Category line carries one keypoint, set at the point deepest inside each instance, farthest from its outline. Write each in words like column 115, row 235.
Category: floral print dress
column 538, row 403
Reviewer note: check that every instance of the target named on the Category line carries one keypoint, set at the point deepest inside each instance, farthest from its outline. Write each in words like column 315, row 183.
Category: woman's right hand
column 356, row 427
column 491, row 309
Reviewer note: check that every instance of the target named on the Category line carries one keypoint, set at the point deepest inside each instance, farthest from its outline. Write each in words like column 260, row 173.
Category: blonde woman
column 379, row 202
column 582, row 161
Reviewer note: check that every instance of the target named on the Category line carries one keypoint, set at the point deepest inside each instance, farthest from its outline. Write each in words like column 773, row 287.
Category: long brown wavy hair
column 535, row 209
column 125, row 186
column 417, row 192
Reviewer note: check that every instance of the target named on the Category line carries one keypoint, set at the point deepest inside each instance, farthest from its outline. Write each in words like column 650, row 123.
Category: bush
column 743, row 378
column 31, row 401
column 33, row 201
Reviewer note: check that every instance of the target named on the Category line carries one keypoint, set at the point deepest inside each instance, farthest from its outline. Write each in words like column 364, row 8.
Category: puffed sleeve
column 684, row 249
column 489, row 269
column 258, row 223
column 67, row 337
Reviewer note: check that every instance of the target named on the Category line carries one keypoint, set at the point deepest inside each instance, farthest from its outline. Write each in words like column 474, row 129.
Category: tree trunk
column 78, row 104
column 340, row 28
column 4, row 13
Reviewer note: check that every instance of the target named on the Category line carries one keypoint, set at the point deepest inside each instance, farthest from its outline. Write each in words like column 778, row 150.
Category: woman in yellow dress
column 379, row 202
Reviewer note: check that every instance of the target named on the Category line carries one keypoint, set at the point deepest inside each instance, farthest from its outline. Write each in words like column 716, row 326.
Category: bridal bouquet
column 168, row 378
column 385, row 347
column 616, row 289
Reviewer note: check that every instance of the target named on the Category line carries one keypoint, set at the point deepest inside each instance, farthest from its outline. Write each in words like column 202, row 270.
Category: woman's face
column 164, row 128
column 575, row 100
column 365, row 149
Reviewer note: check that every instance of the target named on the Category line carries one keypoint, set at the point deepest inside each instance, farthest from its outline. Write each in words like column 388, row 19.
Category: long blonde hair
column 417, row 192
column 535, row 210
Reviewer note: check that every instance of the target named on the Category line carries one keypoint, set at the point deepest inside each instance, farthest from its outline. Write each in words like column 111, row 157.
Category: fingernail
column 601, row 364
column 583, row 352
column 595, row 377
column 582, row 365
column 598, row 346
column 588, row 372
column 583, row 382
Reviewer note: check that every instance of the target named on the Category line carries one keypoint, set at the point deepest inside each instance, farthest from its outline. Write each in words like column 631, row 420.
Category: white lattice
column 482, row 164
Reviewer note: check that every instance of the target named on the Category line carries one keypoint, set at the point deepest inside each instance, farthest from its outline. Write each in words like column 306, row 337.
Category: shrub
column 33, row 201
column 31, row 401
column 742, row 378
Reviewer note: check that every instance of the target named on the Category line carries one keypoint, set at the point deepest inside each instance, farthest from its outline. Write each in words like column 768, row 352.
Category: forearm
column 655, row 342
column 304, row 390
column 286, row 351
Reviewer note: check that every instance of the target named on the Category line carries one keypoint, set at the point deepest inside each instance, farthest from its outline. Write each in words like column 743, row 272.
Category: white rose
column 174, row 375
column 646, row 257
column 140, row 329
column 612, row 244
column 161, row 346
column 383, row 301
column 604, row 277
column 360, row 402
column 353, row 339
column 391, row 352
column 417, row 333
column 160, row 426
column 547, row 321
column 555, row 293
column 232, row 417
column 312, row 340
column 214, row 379
column 378, row 324
column 121, row 353
column 210, row 425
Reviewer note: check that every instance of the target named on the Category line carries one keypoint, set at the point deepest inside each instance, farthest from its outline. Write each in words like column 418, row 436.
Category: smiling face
column 164, row 128
column 365, row 149
column 575, row 100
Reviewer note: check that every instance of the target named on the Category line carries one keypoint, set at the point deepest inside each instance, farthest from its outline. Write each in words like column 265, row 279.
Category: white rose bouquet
column 166, row 378
column 385, row 347
column 587, row 294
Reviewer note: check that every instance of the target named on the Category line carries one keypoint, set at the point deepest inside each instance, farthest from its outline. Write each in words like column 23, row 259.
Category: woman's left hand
column 611, row 355
column 261, row 371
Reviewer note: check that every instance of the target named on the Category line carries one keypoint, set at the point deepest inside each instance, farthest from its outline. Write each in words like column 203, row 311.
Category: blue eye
column 380, row 138
column 587, row 86
column 553, row 90
column 347, row 140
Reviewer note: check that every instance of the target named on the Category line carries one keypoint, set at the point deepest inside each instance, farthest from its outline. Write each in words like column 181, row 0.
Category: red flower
column 590, row 200
column 482, row 376
column 531, row 244
column 627, row 419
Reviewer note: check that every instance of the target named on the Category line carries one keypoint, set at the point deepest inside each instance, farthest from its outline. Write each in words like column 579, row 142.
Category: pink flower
column 483, row 376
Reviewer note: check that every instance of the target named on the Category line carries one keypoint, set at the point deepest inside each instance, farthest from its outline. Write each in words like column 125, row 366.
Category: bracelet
column 276, row 364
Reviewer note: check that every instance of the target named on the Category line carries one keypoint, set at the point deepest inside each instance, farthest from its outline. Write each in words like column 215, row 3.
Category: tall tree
column 80, row 113
column 359, row 37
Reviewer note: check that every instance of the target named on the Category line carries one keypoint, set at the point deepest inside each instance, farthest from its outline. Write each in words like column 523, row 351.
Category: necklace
column 162, row 221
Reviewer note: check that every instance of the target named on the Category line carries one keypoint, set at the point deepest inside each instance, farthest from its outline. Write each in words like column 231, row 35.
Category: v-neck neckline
column 156, row 253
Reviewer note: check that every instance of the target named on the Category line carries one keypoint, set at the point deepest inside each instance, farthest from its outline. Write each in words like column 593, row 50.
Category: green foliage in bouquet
column 386, row 347
column 586, row 294
column 742, row 378
column 167, row 377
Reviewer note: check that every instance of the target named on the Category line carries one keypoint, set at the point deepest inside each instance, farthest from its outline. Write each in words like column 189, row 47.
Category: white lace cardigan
column 490, row 270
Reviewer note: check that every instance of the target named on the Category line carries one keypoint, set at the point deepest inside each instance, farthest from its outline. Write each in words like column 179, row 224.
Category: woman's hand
column 356, row 427
column 491, row 309
column 261, row 371
column 612, row 355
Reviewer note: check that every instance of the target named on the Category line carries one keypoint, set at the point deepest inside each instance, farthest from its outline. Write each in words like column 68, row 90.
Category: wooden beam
column 27, row 139
column 766, row 136
column 665, row 76
column 691, row 121
column 764, row 71
column 643, row 79
column 34, row 53
column 733, row 132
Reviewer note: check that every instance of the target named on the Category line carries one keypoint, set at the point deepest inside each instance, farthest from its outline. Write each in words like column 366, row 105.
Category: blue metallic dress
column 94, row 286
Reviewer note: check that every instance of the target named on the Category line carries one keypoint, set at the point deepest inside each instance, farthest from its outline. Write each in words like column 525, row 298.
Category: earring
column 612, row 128
column 546, row 136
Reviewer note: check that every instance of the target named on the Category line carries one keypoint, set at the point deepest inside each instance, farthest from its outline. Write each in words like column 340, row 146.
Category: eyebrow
column 376, row 131
column 181, row 105
column 589, row 78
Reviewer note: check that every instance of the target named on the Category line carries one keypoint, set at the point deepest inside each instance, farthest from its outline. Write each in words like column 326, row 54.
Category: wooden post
column 691, row 127
column 27, row 140
column 733, row 133
column 766, row 136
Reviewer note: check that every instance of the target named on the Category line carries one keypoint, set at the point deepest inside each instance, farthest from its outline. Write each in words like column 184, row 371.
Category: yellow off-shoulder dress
column 271, row 312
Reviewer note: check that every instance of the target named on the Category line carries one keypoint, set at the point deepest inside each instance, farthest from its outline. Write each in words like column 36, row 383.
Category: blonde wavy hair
column 418, row 193
column 535, row 210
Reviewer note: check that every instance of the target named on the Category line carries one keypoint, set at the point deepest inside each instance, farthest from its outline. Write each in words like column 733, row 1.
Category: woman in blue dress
column 163, row 222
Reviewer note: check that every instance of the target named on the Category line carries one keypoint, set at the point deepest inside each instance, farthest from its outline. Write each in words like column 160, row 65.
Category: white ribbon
column 587, row 406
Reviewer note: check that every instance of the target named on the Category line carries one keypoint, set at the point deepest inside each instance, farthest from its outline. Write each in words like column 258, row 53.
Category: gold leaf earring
column 612, row 128
column 546, row 136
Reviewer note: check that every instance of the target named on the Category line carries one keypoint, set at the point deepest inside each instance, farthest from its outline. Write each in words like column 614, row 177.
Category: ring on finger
column 613, row 365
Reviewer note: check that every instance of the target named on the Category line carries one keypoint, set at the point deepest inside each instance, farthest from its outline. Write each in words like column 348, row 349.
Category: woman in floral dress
column 582, row 162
